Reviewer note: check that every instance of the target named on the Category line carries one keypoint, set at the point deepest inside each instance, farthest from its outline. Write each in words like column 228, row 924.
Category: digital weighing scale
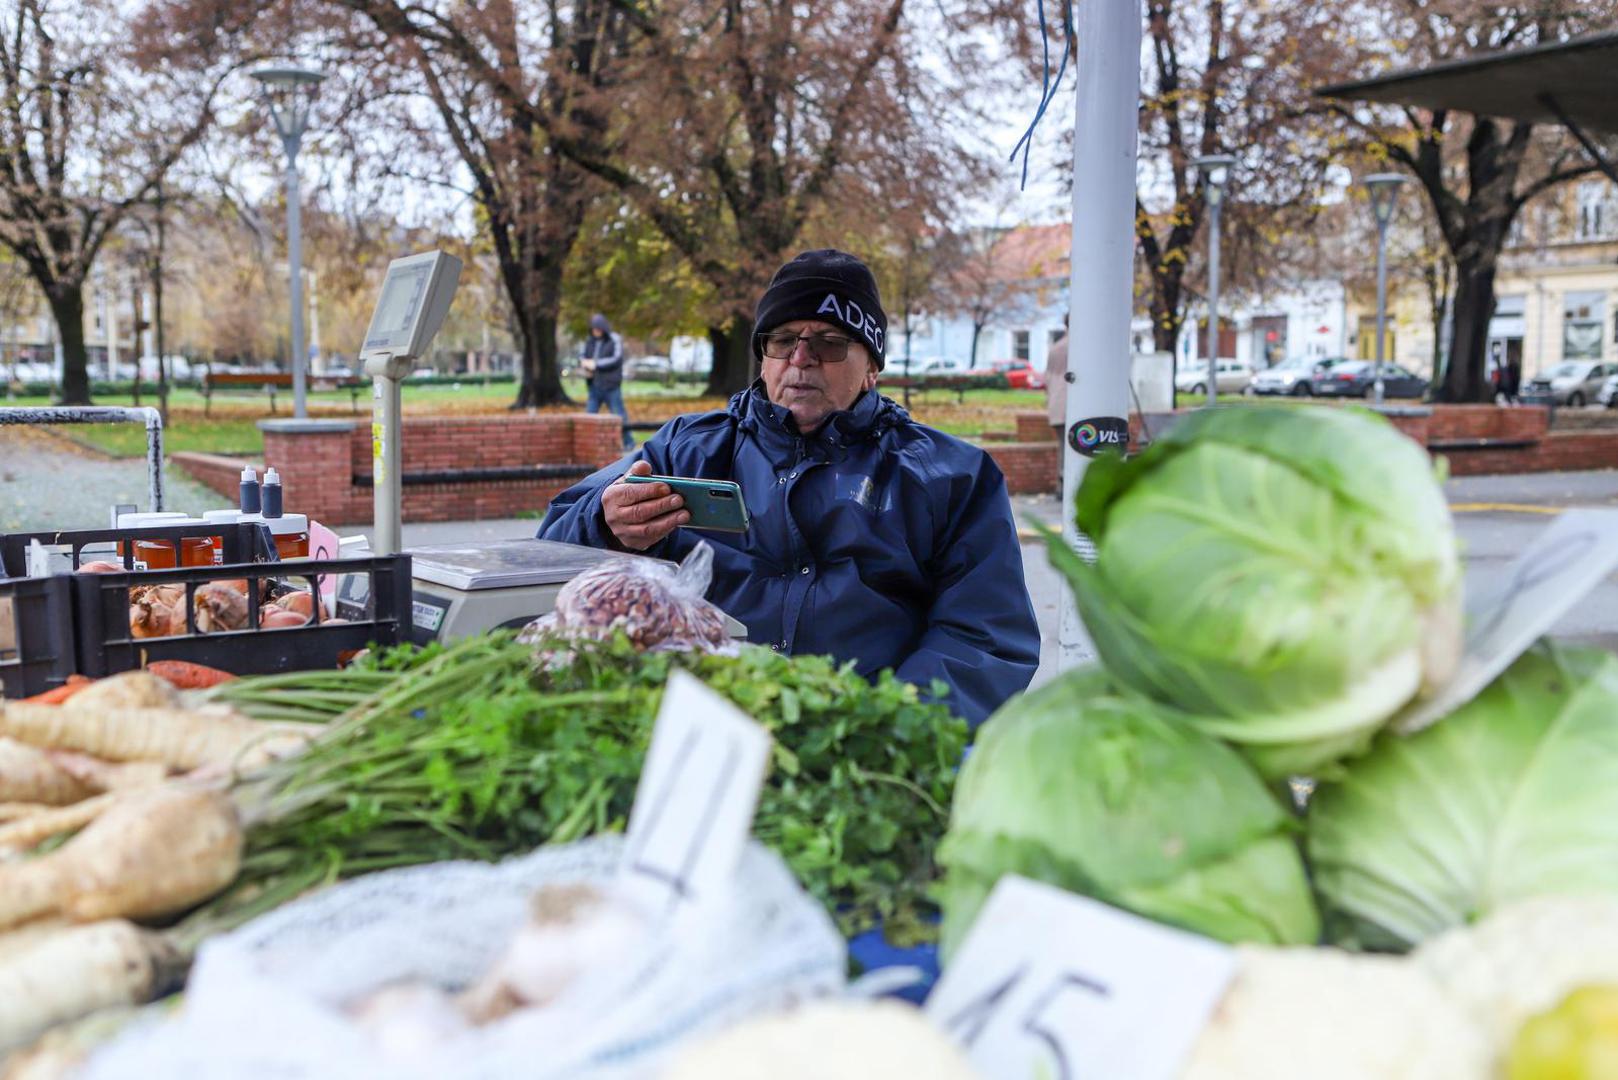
column 458, row 589
column 467, row 589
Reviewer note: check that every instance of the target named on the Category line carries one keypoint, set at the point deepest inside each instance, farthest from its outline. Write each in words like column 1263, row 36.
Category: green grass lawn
column 232, row 429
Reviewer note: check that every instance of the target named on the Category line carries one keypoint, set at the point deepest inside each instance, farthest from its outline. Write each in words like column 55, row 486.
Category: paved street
column 1496, row 516
column 44, row 484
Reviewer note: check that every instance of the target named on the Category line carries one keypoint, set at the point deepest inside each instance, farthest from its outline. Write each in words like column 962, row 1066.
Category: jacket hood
column 871, row 416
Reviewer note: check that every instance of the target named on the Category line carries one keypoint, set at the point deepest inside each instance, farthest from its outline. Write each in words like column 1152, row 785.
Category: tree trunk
column 67, row 307
column 537, row 302
column 1465, row 380
column 1165, row 311
column 733, row 361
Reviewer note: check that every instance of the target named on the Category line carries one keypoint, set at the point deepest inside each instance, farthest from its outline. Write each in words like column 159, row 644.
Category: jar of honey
column 220, row 517
column 291, row 532
column 156, row 553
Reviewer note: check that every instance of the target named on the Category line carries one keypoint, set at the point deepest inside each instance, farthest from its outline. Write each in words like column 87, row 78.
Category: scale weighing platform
column 463, row 589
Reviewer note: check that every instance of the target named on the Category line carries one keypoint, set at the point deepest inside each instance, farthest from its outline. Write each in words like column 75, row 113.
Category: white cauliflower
column 841, row 1040
column 1525, row 959
column 1327, row 1014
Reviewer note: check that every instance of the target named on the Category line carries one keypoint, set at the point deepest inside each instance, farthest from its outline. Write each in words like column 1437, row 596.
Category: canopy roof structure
column 1572, row 83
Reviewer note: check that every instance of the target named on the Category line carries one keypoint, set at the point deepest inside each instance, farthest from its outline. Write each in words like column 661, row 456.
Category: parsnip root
column 180, row 738
column 28, row 775
column 76, row 971
column 24, row 833
column 16, row 811
column 150, row 854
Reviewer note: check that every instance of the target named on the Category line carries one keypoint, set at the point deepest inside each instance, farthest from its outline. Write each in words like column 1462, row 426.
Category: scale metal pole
column 386, row 460
column 1101, row 289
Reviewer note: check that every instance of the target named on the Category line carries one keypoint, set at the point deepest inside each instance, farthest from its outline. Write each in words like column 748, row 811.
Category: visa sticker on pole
column 1098, row 433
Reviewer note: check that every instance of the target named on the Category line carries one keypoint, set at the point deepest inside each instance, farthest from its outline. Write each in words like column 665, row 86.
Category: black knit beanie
column 828, row 285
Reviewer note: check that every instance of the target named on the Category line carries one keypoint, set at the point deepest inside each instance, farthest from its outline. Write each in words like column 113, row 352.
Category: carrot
column 184, row 675
column 24, row 833
column 152, row 853
column 79, row 970
column 28, row 775
column 57, row 695
column 181, row 738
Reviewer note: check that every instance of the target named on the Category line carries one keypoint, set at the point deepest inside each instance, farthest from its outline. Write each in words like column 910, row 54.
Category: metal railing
column 105, row 414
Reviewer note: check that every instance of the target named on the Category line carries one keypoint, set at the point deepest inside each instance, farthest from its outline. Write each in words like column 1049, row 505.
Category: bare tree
column 1226, row 78
column 88, row 126
column 1477, row 172
column 757, row 129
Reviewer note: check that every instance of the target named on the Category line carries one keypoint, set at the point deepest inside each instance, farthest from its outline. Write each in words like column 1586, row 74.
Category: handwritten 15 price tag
column 1518, row 606
column 697, row 795
column 1052, row 984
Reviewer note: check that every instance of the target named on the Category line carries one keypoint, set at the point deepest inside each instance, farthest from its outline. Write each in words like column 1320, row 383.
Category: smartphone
column 713, row 504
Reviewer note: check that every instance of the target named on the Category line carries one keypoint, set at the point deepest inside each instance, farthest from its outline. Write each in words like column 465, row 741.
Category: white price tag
column 1503, row 618
column 1052, row 984
column 698, row 791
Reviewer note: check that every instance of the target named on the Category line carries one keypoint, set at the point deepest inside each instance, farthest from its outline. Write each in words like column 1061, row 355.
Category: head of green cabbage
column 1287, row 575
column 1514, row 795
column 1104, row 793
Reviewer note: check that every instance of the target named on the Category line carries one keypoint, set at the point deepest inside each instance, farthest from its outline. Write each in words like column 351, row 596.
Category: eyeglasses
column 823, row 348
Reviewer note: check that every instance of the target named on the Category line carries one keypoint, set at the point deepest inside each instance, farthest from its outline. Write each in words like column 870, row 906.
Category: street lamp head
column 289, row 92
column 1384, row 189
column 1215, row 171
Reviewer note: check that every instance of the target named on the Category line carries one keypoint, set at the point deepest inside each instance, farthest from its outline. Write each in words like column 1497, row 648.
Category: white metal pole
column 300, row 358
column 1213, row 299
column 1381, row 300
column 1101, row 289
column 314, row 322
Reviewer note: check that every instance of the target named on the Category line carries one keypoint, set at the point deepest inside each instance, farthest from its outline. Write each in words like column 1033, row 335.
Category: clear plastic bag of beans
column 660, row 608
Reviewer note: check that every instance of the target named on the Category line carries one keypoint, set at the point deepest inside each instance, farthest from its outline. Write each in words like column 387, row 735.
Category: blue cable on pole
column 1049, row 88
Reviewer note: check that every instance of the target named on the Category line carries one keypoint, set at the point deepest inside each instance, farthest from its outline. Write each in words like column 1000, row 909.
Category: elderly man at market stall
column 873, row 538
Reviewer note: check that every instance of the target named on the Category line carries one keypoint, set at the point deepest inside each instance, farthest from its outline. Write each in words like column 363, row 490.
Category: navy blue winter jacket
column 874, row 539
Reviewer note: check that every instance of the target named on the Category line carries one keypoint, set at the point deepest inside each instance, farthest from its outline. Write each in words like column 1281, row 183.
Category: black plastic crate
column 241, row 542
column 105, row 645
column 36, row 635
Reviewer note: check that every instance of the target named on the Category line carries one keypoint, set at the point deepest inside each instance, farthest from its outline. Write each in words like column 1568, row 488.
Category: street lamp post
column 1384, row 188
column 1215, row 170
column 289, row 92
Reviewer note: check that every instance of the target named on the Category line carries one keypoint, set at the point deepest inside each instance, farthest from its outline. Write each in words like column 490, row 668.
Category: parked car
column 656, row 368
column 1020, row 374
column 1609, row 392
column 1357, row 378
column 921, row 366
column 1572, row 382
column 1295, row 376
column 1231, row 377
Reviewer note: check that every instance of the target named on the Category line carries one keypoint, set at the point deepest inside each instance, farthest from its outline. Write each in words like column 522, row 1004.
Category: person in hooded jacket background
column 602, row 361
column 874, row 538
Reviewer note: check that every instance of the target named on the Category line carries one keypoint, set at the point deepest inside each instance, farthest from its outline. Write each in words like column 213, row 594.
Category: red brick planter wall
column 319, row 467
column 1474, row 439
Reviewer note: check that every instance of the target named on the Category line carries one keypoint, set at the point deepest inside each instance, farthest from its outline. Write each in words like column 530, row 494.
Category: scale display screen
column 399, row 310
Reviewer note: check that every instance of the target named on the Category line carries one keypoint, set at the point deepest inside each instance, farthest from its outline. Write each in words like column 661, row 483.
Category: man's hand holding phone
column 640, row 515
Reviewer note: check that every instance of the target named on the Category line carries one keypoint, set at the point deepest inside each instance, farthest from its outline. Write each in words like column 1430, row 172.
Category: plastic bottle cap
column 249, row 475
column 271, row 476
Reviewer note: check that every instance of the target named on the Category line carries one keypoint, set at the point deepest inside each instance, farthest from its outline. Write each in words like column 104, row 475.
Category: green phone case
column 713, row 504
